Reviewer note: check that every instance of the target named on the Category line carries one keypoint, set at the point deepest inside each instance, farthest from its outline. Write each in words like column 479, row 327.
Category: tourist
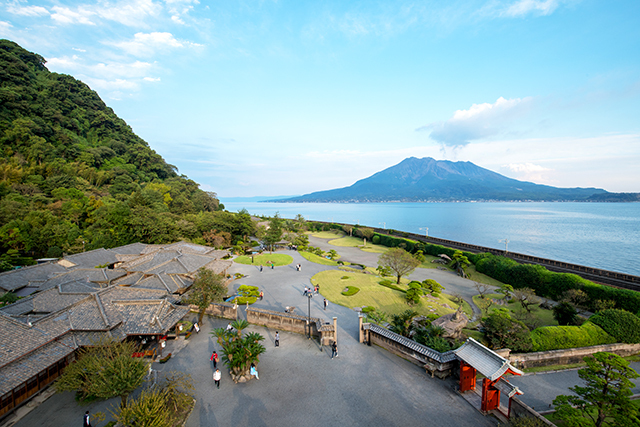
column 229, row 327
column 326, row 303
column 85, row 421
column 216, row 377
column 254, row 371
column 214, row 359
column 261, row 295
column 260, row 269
column 334, row 349
column 196, row 327
column 277, row 341
column 306, row 291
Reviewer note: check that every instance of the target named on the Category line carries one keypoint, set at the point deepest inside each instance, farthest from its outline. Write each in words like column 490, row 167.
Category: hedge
column 622, row 325
column 351, row 290
column 559, row 337
column 552, row 285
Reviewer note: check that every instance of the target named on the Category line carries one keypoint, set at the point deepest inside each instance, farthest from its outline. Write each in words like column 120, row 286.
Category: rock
column 452, row 323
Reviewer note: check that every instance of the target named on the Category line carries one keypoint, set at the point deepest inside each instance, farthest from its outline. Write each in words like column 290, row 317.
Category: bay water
column 602, row 235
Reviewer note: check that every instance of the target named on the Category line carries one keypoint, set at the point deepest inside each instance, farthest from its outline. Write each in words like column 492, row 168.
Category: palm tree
column 238, row 351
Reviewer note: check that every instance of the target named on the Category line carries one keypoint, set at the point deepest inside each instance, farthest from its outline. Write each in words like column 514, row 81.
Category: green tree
column 506, row 290
column 504, row 332
column 402, row 323
column 433, row 287
column 526, row 297
column 105, row 370
column 565, row 313
column 413, row 294
column 239, row 351
column 399, row 261
column 460, row 262
column 208, row 287
column 274, row 233
column 604, row 400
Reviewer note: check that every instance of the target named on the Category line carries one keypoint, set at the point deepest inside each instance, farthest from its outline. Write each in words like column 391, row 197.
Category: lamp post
column 384, row 225
column 309, row 296
column 506, row 245
column 426, row 231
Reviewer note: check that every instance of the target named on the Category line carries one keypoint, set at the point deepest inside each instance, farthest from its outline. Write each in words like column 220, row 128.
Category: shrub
column 559, row 337
column 504, row 332
column 166, row 358
column 622, row 325
column 376, row 240
column 389, row 284
column 344, row 278
column 368, row 309
column 565, row 313
column 433, row 287
column 244, row 300
column 351, row 290
column 413, row 294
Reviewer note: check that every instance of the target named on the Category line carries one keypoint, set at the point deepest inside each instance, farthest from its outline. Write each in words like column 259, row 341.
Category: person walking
column 85, row 421
column 306, row 291
column 214, row 359
column 326, row 303
column 277, row 340
column 260, row 269
column 334, row 349
column 216, row 377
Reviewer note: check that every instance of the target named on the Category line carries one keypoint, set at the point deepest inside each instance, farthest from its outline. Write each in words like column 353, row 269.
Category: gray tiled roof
column 26, row 367
column 129, row 279
column 150, row 316
column 132, row 249
column 487, row 362
column 95, row 275
column 507, row 388
column 414, row 346
column 34, row 274
column 91, row 259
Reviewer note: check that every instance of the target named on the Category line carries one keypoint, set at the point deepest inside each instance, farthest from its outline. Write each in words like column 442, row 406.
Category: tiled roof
column 94, row 258
column 149, row 316
column 34, row 274
column 129, row 279
column 132, row 249
column 418, row 348
column 487, row 362
column 95, row 275
column 26, row 367
column 508, row 388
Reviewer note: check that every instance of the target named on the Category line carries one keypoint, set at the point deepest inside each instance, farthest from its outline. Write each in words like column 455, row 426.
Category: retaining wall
column 568, row 356
column 221, row 309
column 290, row 322
column 519, row 409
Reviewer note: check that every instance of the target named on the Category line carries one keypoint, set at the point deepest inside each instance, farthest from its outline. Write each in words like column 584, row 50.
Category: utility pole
column 426, row 232
column 506, row 245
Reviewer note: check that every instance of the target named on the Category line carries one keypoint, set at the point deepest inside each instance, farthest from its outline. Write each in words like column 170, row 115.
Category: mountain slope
column 415, row 180
column 74, row 176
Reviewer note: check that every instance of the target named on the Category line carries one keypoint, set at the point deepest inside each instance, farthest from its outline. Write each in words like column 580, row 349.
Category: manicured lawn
column 347, row 241
column 317, row 259
column 482, row 278
column 328, row 234
column 265, row 259
column 376, row 249
column 544, row 316
column 371, row 293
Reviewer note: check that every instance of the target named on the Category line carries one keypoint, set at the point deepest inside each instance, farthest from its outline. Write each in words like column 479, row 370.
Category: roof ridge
column 102, row 312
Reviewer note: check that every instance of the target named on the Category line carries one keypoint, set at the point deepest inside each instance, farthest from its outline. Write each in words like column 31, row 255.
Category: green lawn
column 328, row 234
column 265, row 259
column 317, row 259
column 371, row 293
column 482, row 278
column 347, row 241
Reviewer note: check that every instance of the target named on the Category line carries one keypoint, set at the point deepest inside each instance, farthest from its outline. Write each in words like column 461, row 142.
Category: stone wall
column 324, row 332
column 568, row 356
column 519, row 410
column 221, row 309
column 435, row 363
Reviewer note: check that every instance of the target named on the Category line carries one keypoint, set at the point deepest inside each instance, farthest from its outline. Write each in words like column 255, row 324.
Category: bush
column 504, row 332
column 351, row 290
column 413, row 294
column 166, row 358
column 559, row 337
column 565, row 314
column 389, row 284
column 622, row 325
column 244, row 300
column 375, row 240
column 368, row 309
column 344, row 278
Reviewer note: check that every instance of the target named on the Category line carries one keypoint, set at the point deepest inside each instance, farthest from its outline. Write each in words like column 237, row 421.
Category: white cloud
column 101, row 71
column 151, row 79
column 4, row 27
column 524, row 7
column 130, row 13
column 64, row 15
column 146, row 44
column 525, row 167
column 27, row 10
column 479, row 121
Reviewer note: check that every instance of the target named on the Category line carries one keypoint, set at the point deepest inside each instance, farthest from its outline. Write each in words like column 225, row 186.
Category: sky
column 266, row 98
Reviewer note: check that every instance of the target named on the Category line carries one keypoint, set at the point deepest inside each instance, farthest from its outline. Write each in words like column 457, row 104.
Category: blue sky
column 259, row 98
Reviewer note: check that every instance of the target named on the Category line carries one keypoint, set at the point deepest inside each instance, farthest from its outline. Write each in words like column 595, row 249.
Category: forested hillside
column 74, row 176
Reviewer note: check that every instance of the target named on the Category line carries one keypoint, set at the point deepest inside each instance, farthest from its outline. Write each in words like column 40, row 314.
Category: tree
column 365, row 233
column 565, row 313
column 239, row 351
column 504, row 332
column 604, row 400
column 577, row 297
column 274, row 232
column 401, row 323
column 527, row 298
column 207, row 288
column 482, row 288
column 506, row 290
column 414, row 293
column 459, row 262
column 433, row 287
column 105, row 370
column 400, row 261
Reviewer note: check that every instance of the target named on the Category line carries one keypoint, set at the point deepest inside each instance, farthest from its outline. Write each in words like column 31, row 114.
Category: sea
column 602, row 235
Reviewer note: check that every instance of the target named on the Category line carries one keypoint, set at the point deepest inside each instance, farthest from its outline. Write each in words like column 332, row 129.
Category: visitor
column 261, row 295
column 85, row 421
column 277, row 340
column 216, row 377
column 196, row 327
column 306, row 291
column 260, row 269
column 254, row 371
column 214, row 359
column 326, row 303
column 229, row 327
column 334, row 349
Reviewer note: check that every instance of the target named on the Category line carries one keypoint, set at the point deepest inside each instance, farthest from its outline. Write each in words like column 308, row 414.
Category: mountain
column 429, row 180
column 74, row 176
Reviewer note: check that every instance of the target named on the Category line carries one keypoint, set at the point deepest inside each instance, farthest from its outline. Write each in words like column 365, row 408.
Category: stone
column 452, row 323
